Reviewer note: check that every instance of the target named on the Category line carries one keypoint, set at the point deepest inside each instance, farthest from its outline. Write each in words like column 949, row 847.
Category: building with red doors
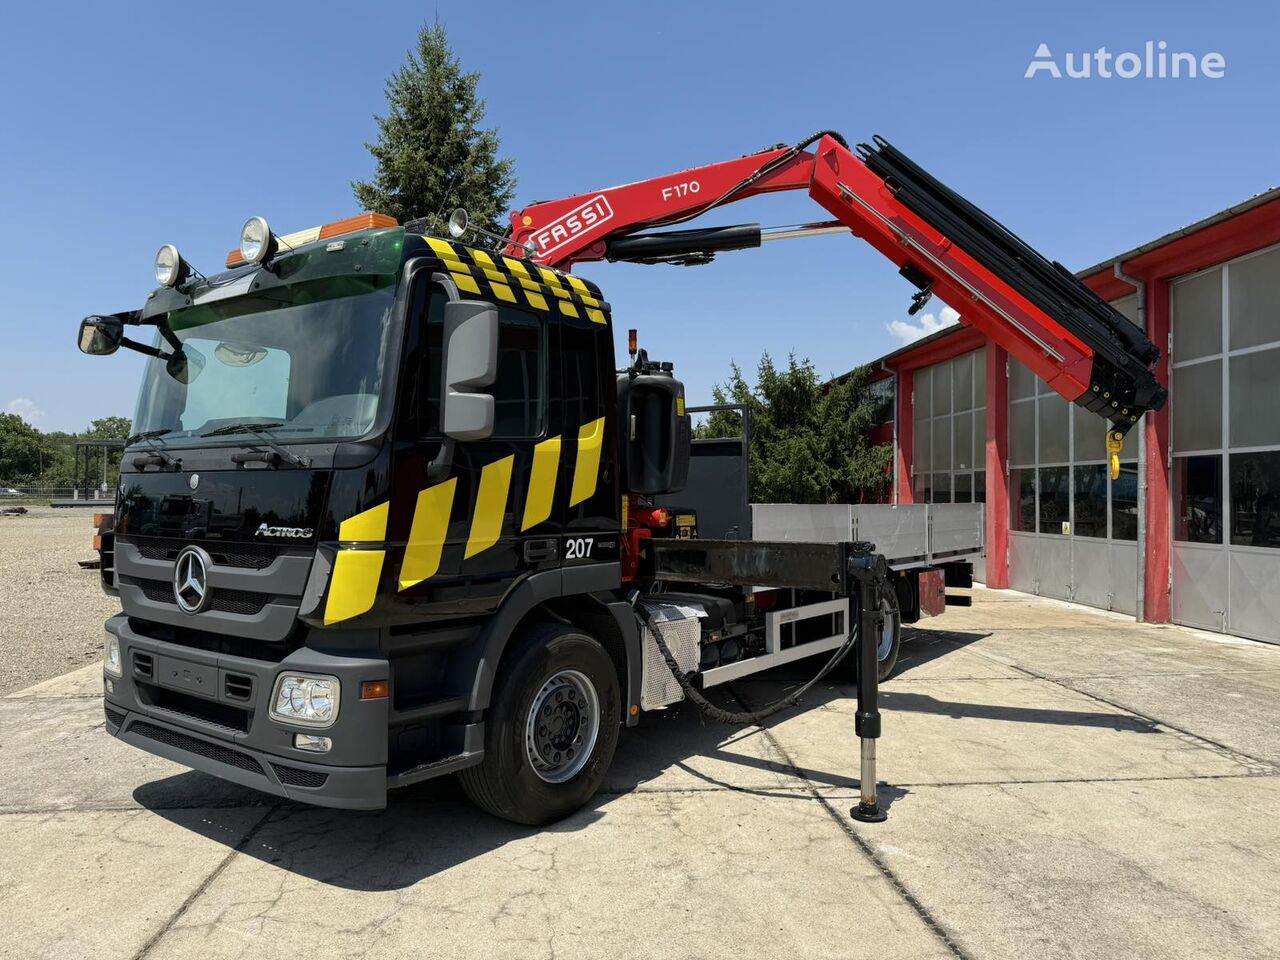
column 1190, row 531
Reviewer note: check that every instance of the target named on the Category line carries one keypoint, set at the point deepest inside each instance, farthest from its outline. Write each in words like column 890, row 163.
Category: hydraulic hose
column 741, row 718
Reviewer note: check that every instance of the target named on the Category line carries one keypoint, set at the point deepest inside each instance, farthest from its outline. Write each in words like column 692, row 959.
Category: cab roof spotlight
column 460, row 224
column 171, row 269
column 257, row 242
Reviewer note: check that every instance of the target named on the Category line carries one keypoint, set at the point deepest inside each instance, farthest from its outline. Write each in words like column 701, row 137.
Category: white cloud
column 25, row 408
column 908, row 331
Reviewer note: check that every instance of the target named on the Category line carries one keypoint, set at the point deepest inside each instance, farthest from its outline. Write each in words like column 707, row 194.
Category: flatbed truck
column 392, row 510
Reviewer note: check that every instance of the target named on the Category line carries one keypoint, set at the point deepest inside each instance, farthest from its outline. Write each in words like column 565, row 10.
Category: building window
column 949, row 422
column 1022, row 500
column 1197, row 498
column 1066, row 444
column 1255, row 499
column 941, row 488
column 1055, row 500
column 1124, row 503
column 883, row 393
column 1089, row 500
column 1226, row 380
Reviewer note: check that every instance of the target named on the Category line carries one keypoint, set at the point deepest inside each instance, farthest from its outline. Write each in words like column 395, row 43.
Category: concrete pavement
column 1062, row 783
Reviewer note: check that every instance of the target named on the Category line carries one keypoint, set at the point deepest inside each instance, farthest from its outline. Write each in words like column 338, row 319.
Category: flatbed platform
column 908, row 535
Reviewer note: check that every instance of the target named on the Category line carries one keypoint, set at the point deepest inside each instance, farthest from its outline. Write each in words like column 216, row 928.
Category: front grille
column 243, row 603
column 296, row 777
column 114, row 717
column 186, row 635
column 253, row 556
column 232, row 758
column 240, row 602
column 221, row 715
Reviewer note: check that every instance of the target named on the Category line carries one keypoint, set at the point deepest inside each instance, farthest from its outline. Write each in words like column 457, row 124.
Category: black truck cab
column 375, row 462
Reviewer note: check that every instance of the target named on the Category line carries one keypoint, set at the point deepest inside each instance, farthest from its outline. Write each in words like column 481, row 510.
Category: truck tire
column 890, row 640
column 551, row 729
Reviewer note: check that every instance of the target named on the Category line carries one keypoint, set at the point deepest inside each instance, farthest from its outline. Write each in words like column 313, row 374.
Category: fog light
column 306, row 699
column 255, row 240
column 111, row 656
column 111, row 687
column 307, row 741
column 171, row 269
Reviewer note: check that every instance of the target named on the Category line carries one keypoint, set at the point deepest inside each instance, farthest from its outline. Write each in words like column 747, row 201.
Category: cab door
column 470, row 530
column 588, row 399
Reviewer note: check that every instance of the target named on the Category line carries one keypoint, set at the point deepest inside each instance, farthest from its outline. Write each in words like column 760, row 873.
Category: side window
column 520, row 388
column 520, row 391
column 584, row 366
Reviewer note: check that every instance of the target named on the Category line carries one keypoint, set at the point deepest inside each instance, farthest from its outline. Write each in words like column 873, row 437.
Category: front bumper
column 209, row 711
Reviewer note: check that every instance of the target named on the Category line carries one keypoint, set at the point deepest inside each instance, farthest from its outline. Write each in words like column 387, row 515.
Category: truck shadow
column 429, row 828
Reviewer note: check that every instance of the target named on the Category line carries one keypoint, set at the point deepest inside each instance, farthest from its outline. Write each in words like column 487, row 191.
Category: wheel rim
column 886, row 631
column 562, row 726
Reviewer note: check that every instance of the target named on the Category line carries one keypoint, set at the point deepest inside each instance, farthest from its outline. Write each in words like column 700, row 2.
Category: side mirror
column 470, row 362
column 101, row 336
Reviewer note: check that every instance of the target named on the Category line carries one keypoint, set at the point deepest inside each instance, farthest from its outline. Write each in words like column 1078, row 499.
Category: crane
column 942, row 244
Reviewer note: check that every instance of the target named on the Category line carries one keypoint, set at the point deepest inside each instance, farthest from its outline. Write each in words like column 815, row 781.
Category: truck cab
column 360, row 466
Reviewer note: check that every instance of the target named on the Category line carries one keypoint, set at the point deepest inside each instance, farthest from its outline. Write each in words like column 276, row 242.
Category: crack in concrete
column 1256, row 765
column 934, row 925
column 205, row 884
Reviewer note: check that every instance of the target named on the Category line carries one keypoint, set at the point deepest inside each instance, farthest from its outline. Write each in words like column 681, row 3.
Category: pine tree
column 431, row 153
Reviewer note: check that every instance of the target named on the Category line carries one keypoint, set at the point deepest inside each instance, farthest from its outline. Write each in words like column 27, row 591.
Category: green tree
column 432, row 154
column 810, row 441
column 19, row 450
column 57, row 459
column 109, row 428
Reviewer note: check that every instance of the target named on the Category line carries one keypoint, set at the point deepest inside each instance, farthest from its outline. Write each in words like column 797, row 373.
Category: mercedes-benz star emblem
column 194, row 481
column 191, row 580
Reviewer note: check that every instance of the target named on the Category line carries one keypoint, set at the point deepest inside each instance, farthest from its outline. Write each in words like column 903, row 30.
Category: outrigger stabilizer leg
column 870, row 572
column 849, row 569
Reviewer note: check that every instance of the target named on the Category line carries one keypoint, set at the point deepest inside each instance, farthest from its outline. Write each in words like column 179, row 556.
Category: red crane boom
column 1036, row 309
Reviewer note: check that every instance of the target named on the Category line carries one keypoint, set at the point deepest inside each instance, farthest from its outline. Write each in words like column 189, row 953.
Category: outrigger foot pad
column 869, row 814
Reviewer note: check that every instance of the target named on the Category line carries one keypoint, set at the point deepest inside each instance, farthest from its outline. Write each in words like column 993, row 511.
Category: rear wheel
column 551, row 729
column 889, row 641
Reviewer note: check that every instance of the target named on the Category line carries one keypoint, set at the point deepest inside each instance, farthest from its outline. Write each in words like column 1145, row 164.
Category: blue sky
column 124, row 130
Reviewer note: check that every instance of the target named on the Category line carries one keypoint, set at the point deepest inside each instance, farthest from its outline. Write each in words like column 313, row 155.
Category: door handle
column 540, row 551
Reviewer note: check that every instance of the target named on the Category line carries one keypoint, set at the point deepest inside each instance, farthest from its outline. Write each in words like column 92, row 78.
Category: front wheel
column 551, row 730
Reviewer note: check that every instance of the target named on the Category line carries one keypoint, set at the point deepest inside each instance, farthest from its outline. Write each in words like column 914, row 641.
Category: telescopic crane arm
column 1036, row 309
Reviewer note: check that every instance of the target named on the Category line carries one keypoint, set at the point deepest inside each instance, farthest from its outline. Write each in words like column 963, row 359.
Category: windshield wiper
column 148, row 435
column 259, row 430
column 158, row 454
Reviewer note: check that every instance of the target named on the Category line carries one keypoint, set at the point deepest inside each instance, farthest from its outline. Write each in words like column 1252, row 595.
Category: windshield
column 306, row 371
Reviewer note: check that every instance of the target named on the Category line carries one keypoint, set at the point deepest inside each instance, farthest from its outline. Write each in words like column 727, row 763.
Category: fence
column 29, row 492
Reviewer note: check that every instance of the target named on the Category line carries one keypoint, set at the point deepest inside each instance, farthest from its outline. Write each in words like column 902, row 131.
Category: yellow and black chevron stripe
column 493, row 492
column 519, row 282
column 358, row 564
column 362, row 548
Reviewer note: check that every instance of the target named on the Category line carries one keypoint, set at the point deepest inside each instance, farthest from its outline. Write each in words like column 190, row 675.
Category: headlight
column 306, row 699
column 168, row 266
column 111, row 656
column 255, row 240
